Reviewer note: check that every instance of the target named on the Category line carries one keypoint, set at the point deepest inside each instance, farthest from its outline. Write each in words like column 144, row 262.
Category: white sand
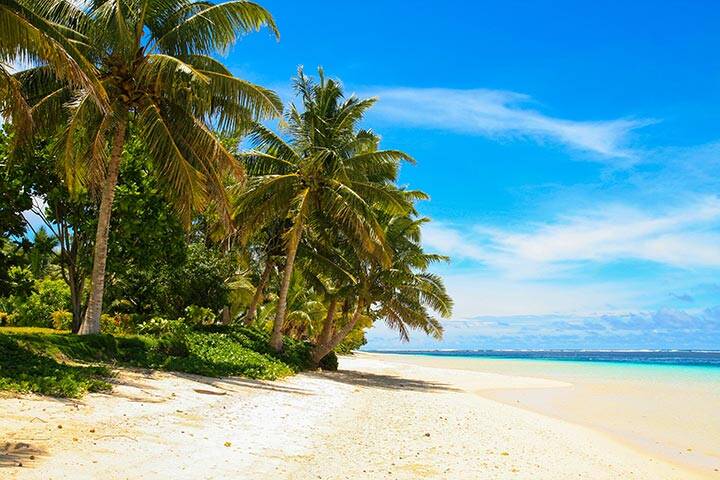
column 375, row 419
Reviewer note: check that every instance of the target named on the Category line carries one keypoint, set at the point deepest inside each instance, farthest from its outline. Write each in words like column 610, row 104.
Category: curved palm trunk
column 276, row 341
column 91, row 324
column 322, row 349
column 252, row 309
column 328, row 325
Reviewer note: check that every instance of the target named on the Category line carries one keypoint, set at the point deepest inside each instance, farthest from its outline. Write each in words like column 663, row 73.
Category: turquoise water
column 709, row 358
column 647, row 366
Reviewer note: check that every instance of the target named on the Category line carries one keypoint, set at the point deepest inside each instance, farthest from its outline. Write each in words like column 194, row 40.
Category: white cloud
column 665, row 328
column 501, row 113
column 682, row 237
column 495, row 294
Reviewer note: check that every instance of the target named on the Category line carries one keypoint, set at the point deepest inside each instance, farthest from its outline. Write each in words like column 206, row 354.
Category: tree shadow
column 19, row 454
column 227, row 384
column 386, row 382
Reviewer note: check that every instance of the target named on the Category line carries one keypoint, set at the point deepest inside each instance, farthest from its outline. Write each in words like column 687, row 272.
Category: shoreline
column 373, row 419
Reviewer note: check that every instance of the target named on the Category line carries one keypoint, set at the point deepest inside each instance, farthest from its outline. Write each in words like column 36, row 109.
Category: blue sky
column 571, row 150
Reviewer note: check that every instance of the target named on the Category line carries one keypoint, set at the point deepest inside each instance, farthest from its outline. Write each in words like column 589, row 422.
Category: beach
column 379, row 417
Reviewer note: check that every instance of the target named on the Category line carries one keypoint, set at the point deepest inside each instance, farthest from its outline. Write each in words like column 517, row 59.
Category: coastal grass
column 56, row 363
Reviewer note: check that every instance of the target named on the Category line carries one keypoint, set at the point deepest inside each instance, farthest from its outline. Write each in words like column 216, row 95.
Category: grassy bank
column 49, row 362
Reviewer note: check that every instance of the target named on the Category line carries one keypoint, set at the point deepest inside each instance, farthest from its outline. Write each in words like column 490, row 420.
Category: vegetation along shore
column 153, row 216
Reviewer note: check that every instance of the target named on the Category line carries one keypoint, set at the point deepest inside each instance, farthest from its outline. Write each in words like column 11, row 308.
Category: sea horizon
column 666, row 357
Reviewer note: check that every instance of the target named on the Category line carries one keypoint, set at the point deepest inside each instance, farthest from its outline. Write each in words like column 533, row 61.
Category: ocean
column 699, row 358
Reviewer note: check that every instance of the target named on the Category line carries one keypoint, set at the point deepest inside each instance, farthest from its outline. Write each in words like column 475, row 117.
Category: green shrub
column 36, row 310
column 117, row 324
column 218, row 354
column 21, row 280
column 174, row 345
column 296, row 353
column 352, row 342
column 6, row 319
column 329, row 362
column 159, row 326
column 32, row 359
column 61, row 319
column 195, row 315
column 172, row 335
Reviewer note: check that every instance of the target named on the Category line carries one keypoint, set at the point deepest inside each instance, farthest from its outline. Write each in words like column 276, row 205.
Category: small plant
column 159, row 326
column 6, row 319
column 61, row 319
column 199, row 315
column 117, row 324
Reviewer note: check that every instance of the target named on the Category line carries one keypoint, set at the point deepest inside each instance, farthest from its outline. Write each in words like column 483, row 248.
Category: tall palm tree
column 155, row 61
column 321, row 172
column 404, row 294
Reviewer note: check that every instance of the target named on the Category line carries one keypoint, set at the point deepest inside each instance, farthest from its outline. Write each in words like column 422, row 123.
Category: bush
column 172, row 335
column 199, row 315
column 61, row 320
column 6, row 319
column 218, row 354
column 32, row 359
column 21, row 281
column 329, row 362
column 159, row 326
column 296, row 353
column 36, row 311
column 117, row 324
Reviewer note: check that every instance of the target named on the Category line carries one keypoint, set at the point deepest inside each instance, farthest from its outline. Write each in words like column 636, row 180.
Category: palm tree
column 154, row 60
column 268, row 244
column 403, row 294
column 30, row 38
column 320, row 173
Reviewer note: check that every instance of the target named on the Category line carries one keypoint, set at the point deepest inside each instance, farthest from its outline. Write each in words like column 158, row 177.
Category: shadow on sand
column 227, row 383
column 18, row 454
column 387, row 382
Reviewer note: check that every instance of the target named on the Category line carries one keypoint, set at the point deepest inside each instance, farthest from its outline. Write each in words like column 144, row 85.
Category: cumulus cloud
column 500, row 113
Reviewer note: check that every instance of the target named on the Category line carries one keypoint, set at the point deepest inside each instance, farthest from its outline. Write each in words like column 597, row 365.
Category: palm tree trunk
column 276, row 341
column 75, row 301
column 252, row 309
column 322, row 349
column 226, row 315
column 91, row 324
column 327, row 330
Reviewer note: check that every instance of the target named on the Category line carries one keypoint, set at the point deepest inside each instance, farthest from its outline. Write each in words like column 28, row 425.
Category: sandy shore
column 667, row 411
column 374, row 419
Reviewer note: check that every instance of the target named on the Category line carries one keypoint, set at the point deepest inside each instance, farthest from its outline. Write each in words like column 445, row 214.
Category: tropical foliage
column 128, row 206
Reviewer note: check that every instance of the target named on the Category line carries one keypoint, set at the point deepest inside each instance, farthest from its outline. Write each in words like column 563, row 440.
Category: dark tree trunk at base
column 322, row 349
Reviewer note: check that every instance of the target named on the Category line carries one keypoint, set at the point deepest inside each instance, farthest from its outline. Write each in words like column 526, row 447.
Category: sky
column 571, row 151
